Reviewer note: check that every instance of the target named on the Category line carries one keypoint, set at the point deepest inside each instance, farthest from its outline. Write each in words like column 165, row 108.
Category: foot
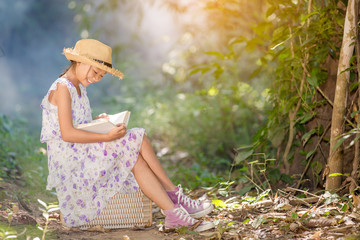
column 195, row 208
column 178, row 217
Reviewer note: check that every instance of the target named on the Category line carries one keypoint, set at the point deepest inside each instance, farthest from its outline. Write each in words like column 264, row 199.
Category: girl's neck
column 71, row 76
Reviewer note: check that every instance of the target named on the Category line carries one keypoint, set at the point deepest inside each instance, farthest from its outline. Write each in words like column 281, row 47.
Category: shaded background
column 214, row 83
column 34, row 33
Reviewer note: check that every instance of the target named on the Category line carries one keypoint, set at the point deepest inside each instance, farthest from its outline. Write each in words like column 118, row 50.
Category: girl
column 86, row 168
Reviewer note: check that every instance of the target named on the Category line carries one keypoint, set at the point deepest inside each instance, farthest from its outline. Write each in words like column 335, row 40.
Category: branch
column 332, row 105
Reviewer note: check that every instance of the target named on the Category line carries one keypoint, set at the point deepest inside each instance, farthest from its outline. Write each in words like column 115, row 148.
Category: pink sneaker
column 195, row 208
column 178, row 217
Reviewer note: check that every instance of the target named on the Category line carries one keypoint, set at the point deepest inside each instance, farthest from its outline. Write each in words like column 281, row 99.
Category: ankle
column 169, row 190
column 166, row 211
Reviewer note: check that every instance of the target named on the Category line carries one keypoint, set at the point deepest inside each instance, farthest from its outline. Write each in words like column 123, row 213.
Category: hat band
column 105, row 63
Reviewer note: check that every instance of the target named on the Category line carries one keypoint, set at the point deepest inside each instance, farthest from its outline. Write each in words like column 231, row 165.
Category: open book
column 104, row 125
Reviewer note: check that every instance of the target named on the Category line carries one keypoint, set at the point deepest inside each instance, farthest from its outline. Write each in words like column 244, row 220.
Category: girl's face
column 87, row 74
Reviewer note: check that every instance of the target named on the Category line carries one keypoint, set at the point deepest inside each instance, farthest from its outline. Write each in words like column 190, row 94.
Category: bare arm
column 61, row 98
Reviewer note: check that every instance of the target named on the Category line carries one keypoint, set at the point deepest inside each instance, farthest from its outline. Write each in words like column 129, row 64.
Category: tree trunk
column 354, row 172
column 335, row 162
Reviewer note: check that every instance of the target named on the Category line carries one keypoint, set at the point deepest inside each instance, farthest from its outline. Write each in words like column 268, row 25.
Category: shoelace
column 187, row 201
column 184, row 215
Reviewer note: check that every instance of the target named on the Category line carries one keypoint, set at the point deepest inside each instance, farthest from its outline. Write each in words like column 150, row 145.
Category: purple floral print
column 86, row 175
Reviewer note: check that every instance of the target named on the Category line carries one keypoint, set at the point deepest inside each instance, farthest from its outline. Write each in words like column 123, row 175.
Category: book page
column 118, row 118
column 103, row 125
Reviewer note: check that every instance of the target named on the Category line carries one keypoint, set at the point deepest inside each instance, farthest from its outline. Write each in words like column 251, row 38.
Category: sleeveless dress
column 86, row 175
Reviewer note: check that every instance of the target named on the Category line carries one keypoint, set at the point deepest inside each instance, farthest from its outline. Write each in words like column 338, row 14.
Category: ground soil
column 281, row 215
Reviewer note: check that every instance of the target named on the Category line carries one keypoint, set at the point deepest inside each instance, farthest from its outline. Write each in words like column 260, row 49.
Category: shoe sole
column 204, row 226
column 200, row 214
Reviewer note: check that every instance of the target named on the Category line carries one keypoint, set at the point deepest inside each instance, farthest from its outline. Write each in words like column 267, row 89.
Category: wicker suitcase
column 124, row 211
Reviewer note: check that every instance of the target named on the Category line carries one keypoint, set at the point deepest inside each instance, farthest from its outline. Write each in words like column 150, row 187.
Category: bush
column 21, row 159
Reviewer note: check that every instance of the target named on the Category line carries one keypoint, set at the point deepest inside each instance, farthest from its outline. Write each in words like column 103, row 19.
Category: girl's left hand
column 103, row 115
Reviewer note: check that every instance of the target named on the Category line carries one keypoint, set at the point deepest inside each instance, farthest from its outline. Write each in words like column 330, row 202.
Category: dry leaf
column 211, row 235
column 355, row 216
column 356, row 200
column 321, row 222
column 294, row 227
column 193, row 227
column 97, row 228
column 316, row 235
column 15, row 209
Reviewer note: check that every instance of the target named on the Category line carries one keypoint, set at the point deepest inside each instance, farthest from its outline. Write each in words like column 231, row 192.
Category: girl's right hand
column 117, row 132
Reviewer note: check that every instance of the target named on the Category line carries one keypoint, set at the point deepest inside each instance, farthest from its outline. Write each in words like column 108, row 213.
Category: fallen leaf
column 321, row 222
column 15, row 209
column 98, row 228
column 316, row 235
column 294, row 227
column 356, row 200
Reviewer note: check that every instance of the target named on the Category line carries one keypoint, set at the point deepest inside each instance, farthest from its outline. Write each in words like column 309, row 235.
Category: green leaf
column 194, row 71
column 308, row 135
column 42, row 203
column 286, row 178
column 306, row 118
column 304, row 18
column 309, row 154
column 241, row 156
column 354, row 113
column 338, row 143
column 53, row 209
column 46, row 215
column 345, row 207
column 353, row 142
column 218, row 54
column 294, row 215
column 219, row 203
column 335, row 174
column 354, row 86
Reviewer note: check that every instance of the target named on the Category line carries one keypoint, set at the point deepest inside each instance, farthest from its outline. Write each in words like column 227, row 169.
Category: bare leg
column 149, row 156
column 150, row 184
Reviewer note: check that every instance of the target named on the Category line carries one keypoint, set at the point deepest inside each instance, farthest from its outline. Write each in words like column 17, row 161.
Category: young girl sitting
column 87, row 169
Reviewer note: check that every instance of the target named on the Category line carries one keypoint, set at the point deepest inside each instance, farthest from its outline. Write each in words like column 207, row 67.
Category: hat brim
column 72, row 55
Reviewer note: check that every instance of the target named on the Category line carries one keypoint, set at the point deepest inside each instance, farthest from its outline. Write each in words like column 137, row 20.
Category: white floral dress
column 86, row 175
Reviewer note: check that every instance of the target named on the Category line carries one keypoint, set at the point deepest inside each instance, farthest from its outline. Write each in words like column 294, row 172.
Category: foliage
column 21, row 158
column 204, row 89
column 212, row 76
column 18, row 231
column 287, row 214
column 300, row 44
column 193, row 176
column 46, row 211
column 302, row 38
column 236, row 78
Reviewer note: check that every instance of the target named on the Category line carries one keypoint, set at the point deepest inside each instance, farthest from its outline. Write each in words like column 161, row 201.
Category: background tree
column 271, row 68
column 341, row 91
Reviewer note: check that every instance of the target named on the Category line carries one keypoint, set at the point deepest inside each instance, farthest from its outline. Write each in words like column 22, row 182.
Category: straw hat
column 94, row 53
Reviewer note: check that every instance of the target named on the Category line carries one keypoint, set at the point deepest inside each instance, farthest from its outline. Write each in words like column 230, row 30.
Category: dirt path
column 125, row 234
column 285, row 216
column 151, row 233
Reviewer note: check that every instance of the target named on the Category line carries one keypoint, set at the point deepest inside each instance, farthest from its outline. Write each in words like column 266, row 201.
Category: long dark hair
column 72, row 63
